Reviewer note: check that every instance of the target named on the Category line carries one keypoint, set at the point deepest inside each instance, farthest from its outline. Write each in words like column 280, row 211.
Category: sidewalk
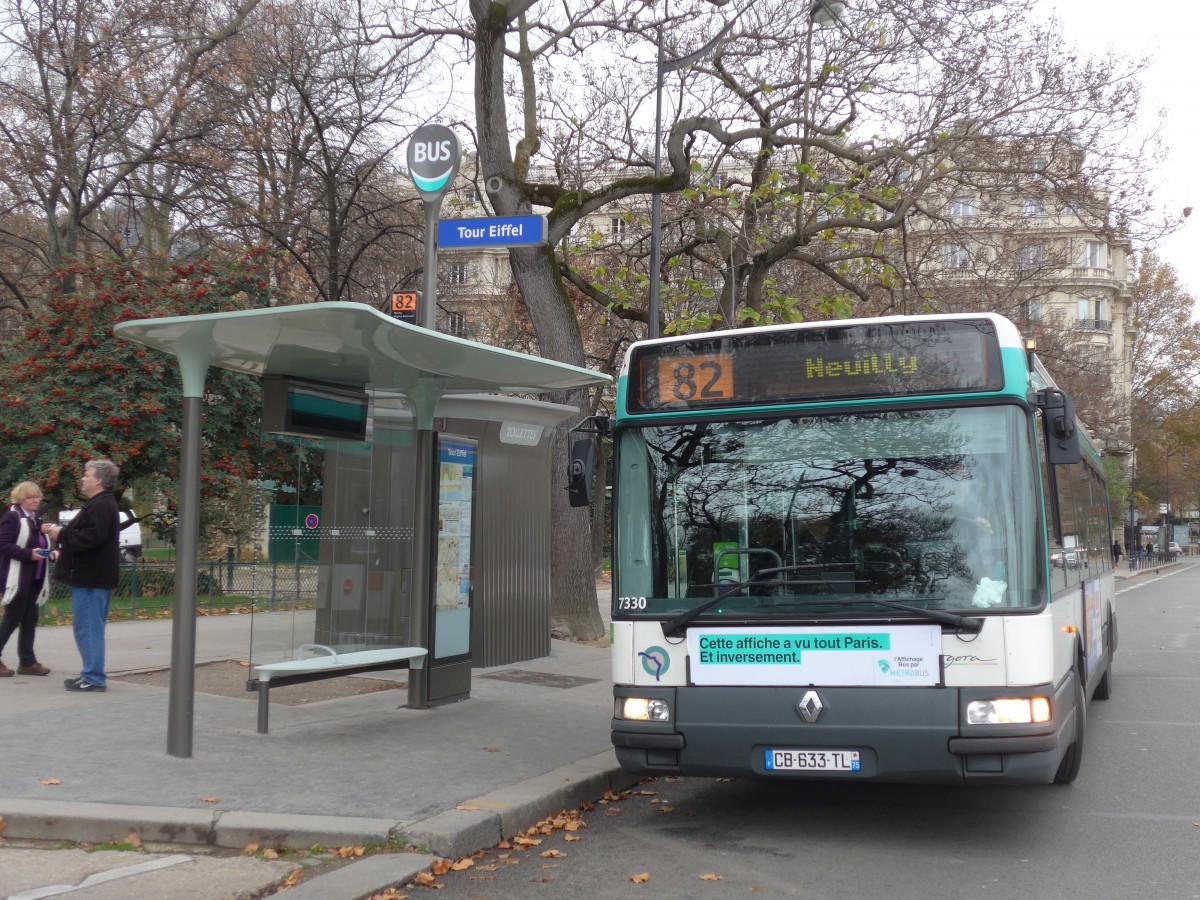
column 348, row 771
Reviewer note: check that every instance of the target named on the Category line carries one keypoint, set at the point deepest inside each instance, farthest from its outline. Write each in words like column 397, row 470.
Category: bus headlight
column 1009, row 711
column 641, row 709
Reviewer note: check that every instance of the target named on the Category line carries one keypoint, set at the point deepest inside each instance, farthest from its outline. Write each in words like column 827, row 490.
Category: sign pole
column 427, row 311
column 434, row 154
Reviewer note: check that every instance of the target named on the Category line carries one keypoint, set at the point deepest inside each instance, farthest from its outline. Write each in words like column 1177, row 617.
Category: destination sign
column 882, row 359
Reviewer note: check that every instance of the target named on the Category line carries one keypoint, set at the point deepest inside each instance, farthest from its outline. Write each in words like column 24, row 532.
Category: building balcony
column 1101, row 325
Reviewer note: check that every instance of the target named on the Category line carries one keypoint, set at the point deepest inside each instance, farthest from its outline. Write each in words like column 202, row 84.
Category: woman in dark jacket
column 24, row 576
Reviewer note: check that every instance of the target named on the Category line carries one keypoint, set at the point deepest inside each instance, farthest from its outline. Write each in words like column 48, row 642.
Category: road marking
column 53, row 890
column 1138, row 582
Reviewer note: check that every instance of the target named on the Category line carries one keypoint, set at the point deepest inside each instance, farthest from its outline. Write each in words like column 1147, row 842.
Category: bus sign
column 770, row 366
column 404, row 306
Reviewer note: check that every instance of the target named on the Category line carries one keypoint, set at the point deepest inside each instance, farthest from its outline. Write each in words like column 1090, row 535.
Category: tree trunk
column 572, row 579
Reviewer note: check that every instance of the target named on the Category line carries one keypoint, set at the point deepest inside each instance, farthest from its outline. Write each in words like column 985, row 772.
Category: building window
column 616, row 226
column 956, row 256
column 964, row 207
column 1033, row 310
column 1034, row 208
column 457, row 273
column 1093, row 254
column 719, row 180
column 477, row 195
column 1032, row 257
column 456, row 324
column 1093, row 314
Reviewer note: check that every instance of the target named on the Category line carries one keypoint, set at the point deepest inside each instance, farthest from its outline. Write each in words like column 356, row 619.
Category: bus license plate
column 813, row 761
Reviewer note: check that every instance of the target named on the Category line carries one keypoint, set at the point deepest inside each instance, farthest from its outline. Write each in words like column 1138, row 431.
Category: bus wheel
column 1105, row 687
column 1072, row 761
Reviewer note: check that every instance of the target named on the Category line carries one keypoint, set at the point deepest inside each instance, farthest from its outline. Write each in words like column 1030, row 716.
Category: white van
column 130, row 534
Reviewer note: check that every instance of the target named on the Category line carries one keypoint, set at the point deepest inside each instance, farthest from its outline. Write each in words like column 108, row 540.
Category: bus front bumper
column 900, row 734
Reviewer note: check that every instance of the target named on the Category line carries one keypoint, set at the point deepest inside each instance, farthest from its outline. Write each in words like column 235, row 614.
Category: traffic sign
column 404, row 306
column 507, row 231
column 433, row 157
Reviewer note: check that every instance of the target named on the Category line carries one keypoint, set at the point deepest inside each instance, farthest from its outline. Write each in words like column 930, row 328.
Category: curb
column 473, row 825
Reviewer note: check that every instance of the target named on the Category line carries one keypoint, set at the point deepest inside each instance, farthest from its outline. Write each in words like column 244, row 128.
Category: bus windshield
column 814, row 515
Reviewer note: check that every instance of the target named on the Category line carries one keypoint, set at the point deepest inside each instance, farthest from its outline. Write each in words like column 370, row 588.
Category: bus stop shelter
column 351, row 345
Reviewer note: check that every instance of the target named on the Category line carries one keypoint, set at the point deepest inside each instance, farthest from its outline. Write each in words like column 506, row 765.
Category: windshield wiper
column 675, row 627
column 965, row 623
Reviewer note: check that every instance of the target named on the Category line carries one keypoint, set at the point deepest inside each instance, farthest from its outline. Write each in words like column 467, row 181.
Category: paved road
column 1129, row 827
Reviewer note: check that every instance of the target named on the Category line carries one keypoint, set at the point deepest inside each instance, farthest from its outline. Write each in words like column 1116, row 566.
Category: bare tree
column 315, row 100
column 794, row 150
column 90, row 93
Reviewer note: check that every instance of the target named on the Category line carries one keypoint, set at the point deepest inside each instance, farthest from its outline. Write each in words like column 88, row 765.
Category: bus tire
column 1104, row 687
column 1072, row 761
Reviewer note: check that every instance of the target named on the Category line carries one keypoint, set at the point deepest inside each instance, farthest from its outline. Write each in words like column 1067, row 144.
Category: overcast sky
column 1168, row 31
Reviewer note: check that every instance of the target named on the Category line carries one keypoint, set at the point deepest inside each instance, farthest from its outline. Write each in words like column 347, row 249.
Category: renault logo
column 810, row 706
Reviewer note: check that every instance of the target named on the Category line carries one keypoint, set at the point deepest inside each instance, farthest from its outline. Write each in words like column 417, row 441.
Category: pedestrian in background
column 1116, row 553
column 24, row 571
column 90, row 562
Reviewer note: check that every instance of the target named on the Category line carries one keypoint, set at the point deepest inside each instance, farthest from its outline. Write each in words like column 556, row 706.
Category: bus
column 874, row 549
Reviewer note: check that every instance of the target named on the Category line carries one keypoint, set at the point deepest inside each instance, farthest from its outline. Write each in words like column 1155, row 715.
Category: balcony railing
column 1104, row 325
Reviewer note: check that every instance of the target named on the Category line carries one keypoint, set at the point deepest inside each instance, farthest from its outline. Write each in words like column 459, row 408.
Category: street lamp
column 821, row 12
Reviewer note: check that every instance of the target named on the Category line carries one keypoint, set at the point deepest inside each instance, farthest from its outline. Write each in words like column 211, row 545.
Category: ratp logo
column 884, row 666
column 655, row 661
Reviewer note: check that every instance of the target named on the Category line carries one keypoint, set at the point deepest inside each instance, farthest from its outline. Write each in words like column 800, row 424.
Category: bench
column 333, row 664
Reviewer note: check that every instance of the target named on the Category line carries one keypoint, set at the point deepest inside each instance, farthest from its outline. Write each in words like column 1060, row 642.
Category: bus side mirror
column 1062, row 439
column 581, row 473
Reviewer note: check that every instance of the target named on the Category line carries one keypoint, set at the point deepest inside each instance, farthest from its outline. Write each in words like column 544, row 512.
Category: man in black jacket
column 89, row 560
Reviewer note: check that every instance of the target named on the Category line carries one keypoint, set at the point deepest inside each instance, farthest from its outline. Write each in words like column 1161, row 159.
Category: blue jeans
column 90, row 608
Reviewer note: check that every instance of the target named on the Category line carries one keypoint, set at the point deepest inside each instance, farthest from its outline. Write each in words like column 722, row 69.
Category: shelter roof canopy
column 351, row 344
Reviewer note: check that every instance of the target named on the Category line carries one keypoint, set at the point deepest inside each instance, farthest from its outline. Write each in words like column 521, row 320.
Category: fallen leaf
column 463, row 864
column 439, row 866
column 542, row 880
column 425, row 879
column 251, row 848
column 572, row 837
column 504, row 845
column 466, row 808
column 389, row 894
column 491, row 749
column 211, row 799
column 640, row 878
column 711, row 877
column 133, row 839
column 757, row 889
column 270, row 853
column 293, row 878
column 3, row 824
column 527, row 842
column 553, row 854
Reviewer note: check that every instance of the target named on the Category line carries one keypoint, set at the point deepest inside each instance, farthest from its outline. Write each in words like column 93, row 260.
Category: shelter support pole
column 193, row 365
column 424, row 399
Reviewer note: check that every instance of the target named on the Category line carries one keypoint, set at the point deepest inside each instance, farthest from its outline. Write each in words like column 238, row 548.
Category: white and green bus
column 874, row 549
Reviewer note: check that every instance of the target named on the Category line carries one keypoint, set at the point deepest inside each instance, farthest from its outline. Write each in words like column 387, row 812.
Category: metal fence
column 147, row 588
